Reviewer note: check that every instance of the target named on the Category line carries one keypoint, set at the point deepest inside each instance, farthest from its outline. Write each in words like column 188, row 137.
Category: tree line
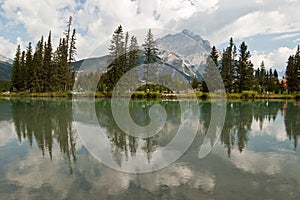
column 42, row 69
column 293, row 72
column 237, row 71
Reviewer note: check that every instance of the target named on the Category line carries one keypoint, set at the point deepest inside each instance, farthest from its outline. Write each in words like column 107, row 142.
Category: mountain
column 90, row 63
column 185, row 51
column 185, row 43
column 5, row 70
column 5, row 59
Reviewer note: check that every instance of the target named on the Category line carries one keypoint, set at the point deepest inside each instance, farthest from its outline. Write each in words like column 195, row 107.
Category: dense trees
column 293, row 71
column 237, row 70
column 125, row 55
column 44, row 70
column 238, row 74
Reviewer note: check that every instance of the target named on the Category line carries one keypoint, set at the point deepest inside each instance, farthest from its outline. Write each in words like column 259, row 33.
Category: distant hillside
column 5, row 70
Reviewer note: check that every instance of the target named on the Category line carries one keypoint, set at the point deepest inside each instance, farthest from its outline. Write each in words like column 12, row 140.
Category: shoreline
column 156, row 95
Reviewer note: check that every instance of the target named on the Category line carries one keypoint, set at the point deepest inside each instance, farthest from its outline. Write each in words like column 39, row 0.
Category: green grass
column 246, row 95
column 36, row 94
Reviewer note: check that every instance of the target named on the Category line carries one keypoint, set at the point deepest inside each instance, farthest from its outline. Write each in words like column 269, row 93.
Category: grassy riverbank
column 154, row 95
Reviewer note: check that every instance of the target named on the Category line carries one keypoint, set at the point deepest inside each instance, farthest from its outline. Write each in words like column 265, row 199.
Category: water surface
column 42, row 157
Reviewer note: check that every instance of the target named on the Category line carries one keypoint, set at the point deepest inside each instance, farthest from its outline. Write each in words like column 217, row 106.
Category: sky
column 270, row 28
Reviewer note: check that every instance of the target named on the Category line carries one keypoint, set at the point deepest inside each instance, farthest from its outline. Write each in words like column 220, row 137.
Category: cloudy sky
column 271, row 28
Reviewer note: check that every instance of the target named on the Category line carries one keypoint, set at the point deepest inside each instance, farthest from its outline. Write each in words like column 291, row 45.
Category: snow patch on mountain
column 186, row 51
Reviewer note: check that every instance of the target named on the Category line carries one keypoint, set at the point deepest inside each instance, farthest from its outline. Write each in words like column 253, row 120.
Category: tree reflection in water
column 44, row 121
column 292, row 122
column 124, row 144
column 240, row 116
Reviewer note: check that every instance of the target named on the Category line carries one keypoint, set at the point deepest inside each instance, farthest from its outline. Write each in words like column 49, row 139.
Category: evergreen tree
column 132, row 56
column 228, row 66
column 214, row 56
column 29, row 72
column 67, row 36
column 150, row 53
column 22, row 71
column 262, row 78
column 72, row 49
column 63, row 66
column 38, row 66
column 291, row 74
column 133, row 52
column 211, row 72
column 116, row 62
column 15, row 77
column 271, row 81
column 244, row 69
column 125, row 53
column 47, row 66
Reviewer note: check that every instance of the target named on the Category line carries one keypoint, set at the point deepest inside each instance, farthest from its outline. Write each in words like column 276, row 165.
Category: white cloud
column 286, row 36
column 38, row 17
column 7, row 133
column 275, row 59
column 274, row 128
column 96, row 20
column 252, row 24
column 7, row 48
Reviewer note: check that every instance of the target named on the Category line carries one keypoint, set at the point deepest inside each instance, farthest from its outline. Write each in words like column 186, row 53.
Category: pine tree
column 63, row 71
column 150, row 53
column 22, row 71
column 262, row 78
column 150, row 49
column 16, row 70
column 228, row 66
column 132, row 56
column 133, row 52
column 72, row 49
column 116, row 62
column 29, row 72
column 125, row 53
column 62, row 75
column 244, row 69
column 38, row 66
column 47, row 65
column 214, row 56
column 212, row 82
column 291, row 74
column 67, row 34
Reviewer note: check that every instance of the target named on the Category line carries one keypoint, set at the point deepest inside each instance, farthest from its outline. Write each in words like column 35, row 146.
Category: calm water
column 42, row 157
